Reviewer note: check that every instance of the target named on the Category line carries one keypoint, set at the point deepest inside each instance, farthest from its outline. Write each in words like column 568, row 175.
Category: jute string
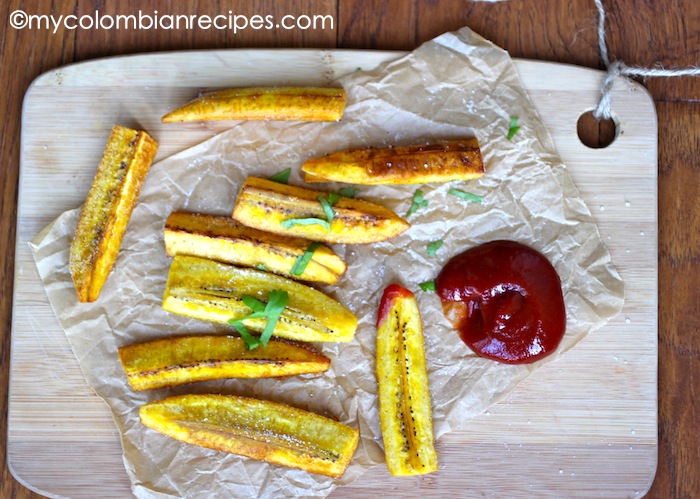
column 619, row 68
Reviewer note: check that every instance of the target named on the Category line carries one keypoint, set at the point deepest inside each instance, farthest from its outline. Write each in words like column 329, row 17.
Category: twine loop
column 618, row 68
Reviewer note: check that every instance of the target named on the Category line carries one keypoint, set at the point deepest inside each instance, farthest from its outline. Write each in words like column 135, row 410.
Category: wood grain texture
column 389, row 24
column 616, row 391
column 644, row 33
column 23, row 59
column 679, row 302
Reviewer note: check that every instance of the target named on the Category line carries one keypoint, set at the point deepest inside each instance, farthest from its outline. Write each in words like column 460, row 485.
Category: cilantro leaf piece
column 513, row 129
column 427, row 286
column 276, row 301
column 433, row 247
column 291, row 222
column 418, row 202
column 251, row 342
column 466, row 195
column 272, row 310
column 253, row 303
column 327, row 208
column 303, row 260
column 327, row 205
column 347, row 192
column 282, row 177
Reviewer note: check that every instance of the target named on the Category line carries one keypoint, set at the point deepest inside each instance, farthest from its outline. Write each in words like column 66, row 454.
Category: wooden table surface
column 639, row 33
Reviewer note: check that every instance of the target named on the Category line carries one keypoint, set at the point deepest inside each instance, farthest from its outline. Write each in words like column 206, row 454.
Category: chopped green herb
column 427, row 286
column 251, row 342
column 253, row 303
column 260, row 266
column 291, row 222
column 348, row 192
column 513, row 129
column 466, row 195
column 282, row 177
column 433, row 247
column 418, row 202
column 327, row 205
column 276, row 301
column 303, row 260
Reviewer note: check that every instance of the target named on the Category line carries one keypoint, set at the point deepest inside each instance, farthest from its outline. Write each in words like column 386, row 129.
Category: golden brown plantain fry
column 419, row 164
column 107, row 209
column 186, row 359
column 225, row 240
column 264, row 103
column 268, row 206
column 404, row 398
column 214, row 291
column 267, row 431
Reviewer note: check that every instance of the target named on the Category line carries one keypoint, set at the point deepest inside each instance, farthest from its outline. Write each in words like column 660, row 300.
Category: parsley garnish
column 251, row 342
column 276, row 301
column 466, row 195
column 513, row 129
column 427, row 286
column 433, row 247
column 262, row 267
column 282, row 177
column 348, row 192
column 303, row 260
column 291, row 222
column 418, row 202
column 326, row 204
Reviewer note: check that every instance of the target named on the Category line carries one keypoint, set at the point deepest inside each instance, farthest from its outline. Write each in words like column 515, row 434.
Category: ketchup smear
column 505, row 299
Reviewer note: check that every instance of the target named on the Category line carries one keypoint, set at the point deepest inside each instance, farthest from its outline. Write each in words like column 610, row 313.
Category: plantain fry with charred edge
column 107, row 209
column 294, row 211
column 404, row 398
column 213, row 291
column 417, row 164
column 258, row 429
column 225, row 240
column 264, row 103
column 186, row 359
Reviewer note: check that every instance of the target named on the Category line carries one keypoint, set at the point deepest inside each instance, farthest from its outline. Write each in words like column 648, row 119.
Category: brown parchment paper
column 454, row 86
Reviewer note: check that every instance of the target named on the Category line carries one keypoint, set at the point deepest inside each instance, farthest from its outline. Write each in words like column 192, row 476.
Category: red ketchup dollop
column 505, row 299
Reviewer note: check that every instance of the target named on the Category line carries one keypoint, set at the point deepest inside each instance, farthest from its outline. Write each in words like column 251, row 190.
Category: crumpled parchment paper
column 456, row 85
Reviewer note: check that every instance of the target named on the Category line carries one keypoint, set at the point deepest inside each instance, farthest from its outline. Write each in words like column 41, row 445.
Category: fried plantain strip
column 270, row 206
column 225, row 240
column 264, row 103
column 107, row 209
column 186, row 359
column 416, row 164
column 404, row 397
column 267, row 431
column 214, row 291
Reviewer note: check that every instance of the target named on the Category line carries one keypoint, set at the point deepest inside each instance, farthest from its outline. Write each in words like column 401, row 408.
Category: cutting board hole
column 596, row 134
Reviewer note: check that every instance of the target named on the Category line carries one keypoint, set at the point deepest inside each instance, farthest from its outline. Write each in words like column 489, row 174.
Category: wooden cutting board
column 583, row 425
